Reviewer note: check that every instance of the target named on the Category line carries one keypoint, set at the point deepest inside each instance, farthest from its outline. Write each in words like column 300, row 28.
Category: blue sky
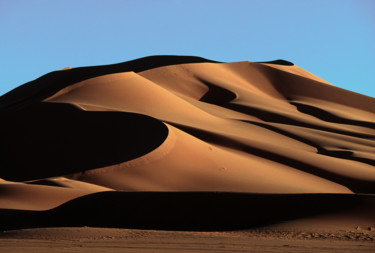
column 334, row 39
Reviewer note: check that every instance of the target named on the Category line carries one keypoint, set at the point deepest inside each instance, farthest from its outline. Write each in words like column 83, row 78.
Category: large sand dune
column 254, row 143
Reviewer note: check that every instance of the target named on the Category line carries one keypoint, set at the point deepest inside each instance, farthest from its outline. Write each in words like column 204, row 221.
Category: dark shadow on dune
column 343, row 154
column 47, row 85
column 278, row 62
column 51, row 139
column 326, row 116
column 45, row 182
column 285, row 133
column 216, row 95
column 358, row 186
column 269, row 116
column 348, row 155
column 200, row 211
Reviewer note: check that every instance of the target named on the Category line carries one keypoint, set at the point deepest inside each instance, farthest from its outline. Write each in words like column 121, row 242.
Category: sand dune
column 42, row 195
column 177, row 125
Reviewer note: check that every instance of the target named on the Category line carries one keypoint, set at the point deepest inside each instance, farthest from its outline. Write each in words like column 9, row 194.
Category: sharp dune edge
column 185, row 143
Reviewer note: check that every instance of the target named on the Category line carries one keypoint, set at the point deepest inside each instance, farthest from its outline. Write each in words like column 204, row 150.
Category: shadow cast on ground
column 200, row 211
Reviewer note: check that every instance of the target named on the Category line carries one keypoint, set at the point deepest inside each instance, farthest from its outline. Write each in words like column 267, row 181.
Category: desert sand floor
column 88, row 239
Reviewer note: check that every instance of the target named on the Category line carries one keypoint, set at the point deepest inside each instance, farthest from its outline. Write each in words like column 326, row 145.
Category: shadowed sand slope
column 271, row 131
column 58, row 139
column 190, row 210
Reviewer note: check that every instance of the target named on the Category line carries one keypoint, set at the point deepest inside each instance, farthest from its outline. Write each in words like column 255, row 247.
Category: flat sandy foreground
column 87, row 239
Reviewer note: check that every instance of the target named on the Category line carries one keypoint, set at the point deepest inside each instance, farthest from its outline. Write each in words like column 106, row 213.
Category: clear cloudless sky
column 333, row 39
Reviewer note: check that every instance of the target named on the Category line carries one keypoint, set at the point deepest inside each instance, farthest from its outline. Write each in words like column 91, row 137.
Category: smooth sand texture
column 185, row 143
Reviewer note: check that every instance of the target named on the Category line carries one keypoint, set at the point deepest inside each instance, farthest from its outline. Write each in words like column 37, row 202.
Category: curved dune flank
column 182, row 124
